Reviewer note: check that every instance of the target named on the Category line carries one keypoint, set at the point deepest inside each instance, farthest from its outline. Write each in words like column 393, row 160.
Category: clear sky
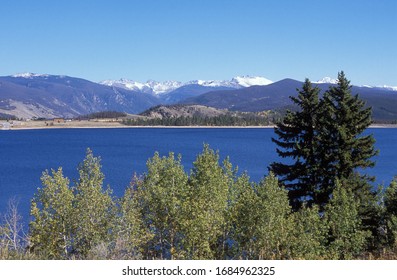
column 198, row 39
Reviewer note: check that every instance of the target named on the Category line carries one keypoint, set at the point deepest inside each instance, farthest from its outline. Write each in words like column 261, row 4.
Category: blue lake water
column 25, row 154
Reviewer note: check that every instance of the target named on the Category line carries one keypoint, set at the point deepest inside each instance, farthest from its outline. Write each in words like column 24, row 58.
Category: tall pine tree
column 297, row 139
column 344, row 148
column 324, row 142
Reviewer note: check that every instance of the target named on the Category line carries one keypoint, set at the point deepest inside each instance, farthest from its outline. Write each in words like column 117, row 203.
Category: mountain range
column 161, row 88
column 46, row 96
column 275, row 96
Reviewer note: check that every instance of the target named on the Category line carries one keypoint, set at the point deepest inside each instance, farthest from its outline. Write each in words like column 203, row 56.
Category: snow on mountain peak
column 150, row 86
column 163, row 87
column 382, row 87
column 156, row 88
column 327, row 80
column 247, row 81
column 388, row 87
column 212, row 83
column 28, row 75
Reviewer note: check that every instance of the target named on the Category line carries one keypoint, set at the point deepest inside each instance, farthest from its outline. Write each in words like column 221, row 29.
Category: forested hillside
column 199, row 115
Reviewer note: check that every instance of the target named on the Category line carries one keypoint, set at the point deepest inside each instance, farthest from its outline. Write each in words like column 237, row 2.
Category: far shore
column 125, row 127
column 20, row 125
column 383, row 126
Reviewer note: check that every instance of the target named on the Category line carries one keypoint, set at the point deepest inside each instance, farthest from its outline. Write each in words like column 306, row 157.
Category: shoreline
column 107, row 125
column 383, row 126
column 162, row 127
column 126, row 127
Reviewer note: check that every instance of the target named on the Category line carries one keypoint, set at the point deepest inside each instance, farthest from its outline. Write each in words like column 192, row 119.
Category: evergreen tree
column 344, row 120
column 345, row 149
column 297, row 140
column 326, row 143
column 390, row 199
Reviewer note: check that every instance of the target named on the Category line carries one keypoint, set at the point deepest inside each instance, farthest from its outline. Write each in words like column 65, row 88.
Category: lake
column 25, row 154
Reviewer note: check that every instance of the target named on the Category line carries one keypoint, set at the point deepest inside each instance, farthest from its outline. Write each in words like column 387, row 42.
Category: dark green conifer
column 297, row 139
column 343, row 146
column 324, row 141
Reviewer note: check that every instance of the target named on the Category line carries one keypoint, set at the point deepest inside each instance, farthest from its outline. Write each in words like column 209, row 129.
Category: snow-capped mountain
column 236, row 82
column 247, row 81
column 29, row 95
column 28, row 75
column 212, row 83
column 150, row 86
column 327, row 80
column 382, row 87
column 159, row 88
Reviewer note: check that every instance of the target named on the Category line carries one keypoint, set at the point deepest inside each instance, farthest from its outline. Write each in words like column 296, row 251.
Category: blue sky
column 199, row 39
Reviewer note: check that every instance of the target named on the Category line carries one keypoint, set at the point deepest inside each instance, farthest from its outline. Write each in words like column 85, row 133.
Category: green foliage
column 274, row 225
column 347, row 239
column 390, row 205
column 213, row 213
column 71, row 221
column 130, row 232
column 310, row 234
column 103, row 115
column 93, row 206
column 170, row 215
column 343, row 120
column 52, row 227
column 298, row 140
column 164, row 192
column 346, row 149
column 227, row 249
column 206, row 205
column 238, row 119
column 392, row 227
column 390, row 199
column 245, row 215
column 325, row 141
column 262, row 220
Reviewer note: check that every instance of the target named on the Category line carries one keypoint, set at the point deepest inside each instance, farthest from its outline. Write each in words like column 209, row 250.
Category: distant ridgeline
column 226, row 120
column 35, row 96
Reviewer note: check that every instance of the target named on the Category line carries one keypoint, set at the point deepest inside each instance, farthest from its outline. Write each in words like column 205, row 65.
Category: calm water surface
column 25, row 154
